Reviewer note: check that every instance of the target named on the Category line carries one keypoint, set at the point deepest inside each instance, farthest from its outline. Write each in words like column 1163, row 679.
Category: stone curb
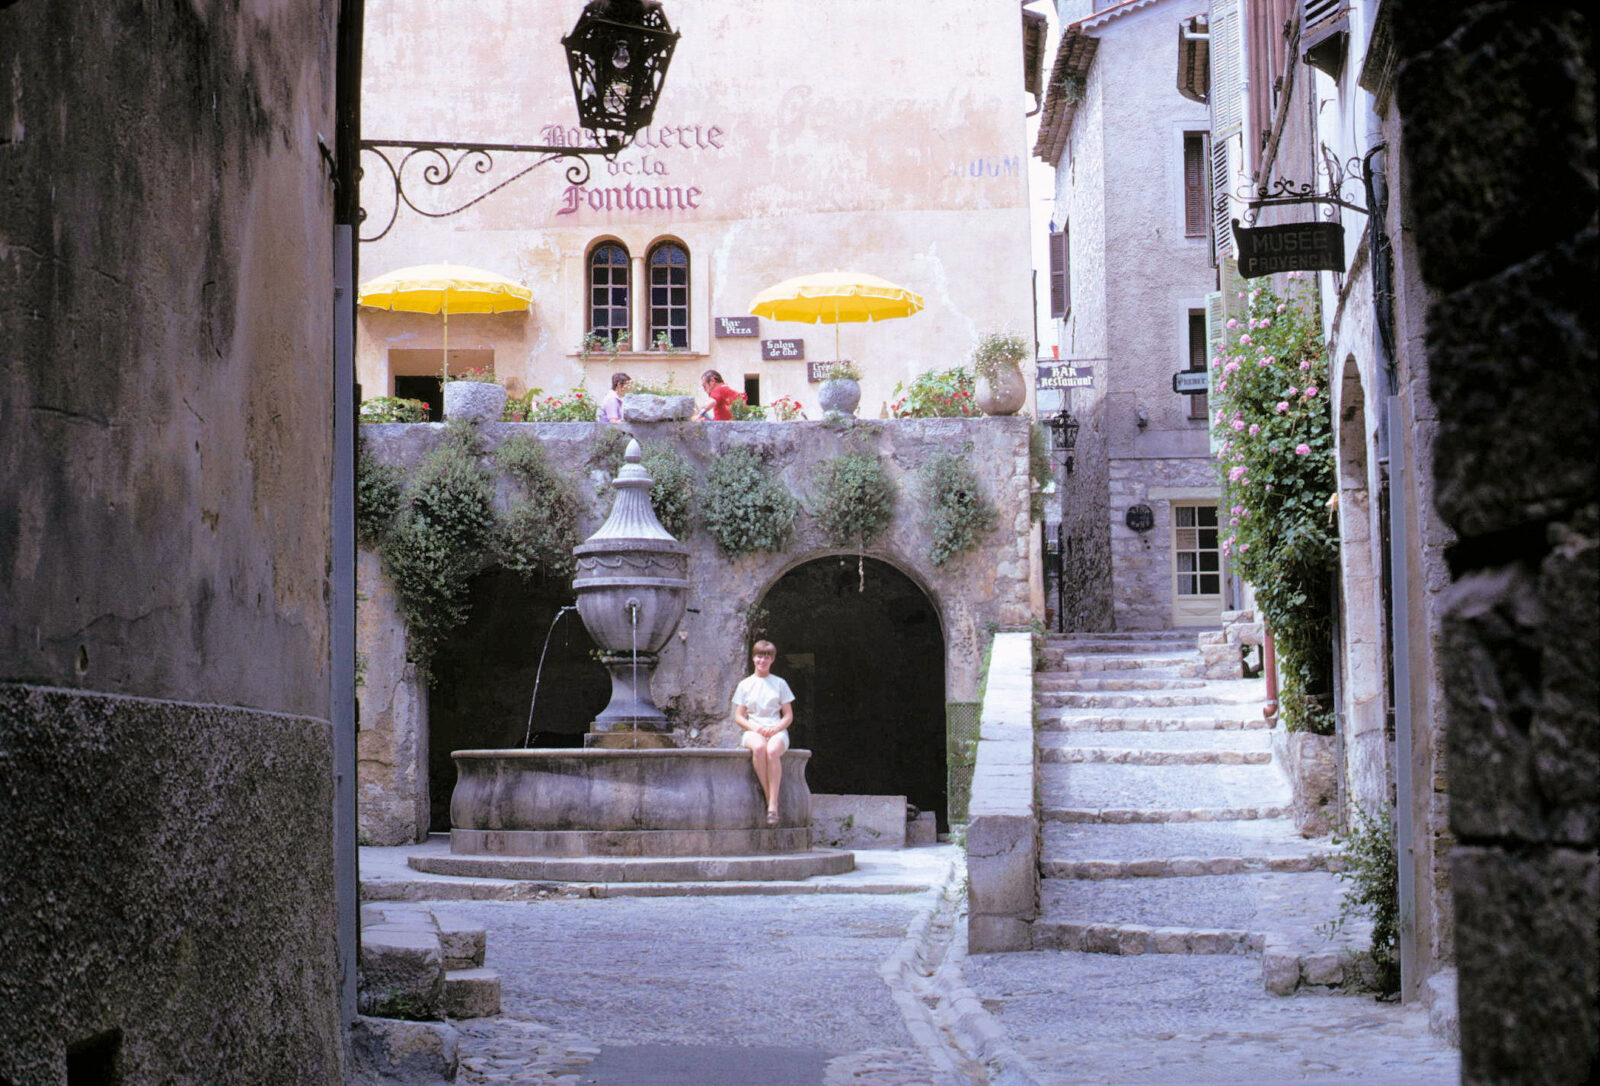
column 1103, row 723
column 1140, row 939
column 1120, row 816
column 1179, row 867
column 1077, row 755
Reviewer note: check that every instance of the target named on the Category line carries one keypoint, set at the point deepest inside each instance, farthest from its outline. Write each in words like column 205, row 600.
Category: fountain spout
column 632, row 588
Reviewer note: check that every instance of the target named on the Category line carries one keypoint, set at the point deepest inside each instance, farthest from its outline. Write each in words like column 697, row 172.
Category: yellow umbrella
column 835, row 298
column 445, row 289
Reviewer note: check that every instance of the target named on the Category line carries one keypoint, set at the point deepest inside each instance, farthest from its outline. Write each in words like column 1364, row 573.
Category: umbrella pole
column 444, row 377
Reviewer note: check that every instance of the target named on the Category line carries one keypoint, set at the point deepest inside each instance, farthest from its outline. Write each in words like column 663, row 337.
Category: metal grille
column 960, row 753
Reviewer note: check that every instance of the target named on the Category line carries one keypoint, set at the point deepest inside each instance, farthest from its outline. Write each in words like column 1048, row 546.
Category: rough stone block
column 1280, row 971
column 1506, row 462
column 1212, row 942
column 924, row 830
column 1324, row 969
column 402, row 973
column 997, row 934
column 642, row 407
column 1169, row 941
column 1003, row 866
column 461, row 942
column 1515, row 910
column 406, row 1053
column 1439, row 996
column 858, row 821
column 471, row 993
column 1479, row 155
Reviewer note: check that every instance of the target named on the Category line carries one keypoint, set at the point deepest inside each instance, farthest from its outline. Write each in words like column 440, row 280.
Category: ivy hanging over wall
column 1275, row 458
column 536, row 535
column 855, row 499
column 958, row 513
column 439, row 528
column 747, row 507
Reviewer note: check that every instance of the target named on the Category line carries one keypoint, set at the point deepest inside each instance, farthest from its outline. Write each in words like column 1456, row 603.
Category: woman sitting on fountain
column 763, row 707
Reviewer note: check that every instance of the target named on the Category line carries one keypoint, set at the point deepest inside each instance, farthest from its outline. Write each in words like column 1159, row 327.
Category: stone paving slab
column 1227, row 739
column 1160, row 787
column 1284, row 907
column 1092, row 1018
column 1165, row 843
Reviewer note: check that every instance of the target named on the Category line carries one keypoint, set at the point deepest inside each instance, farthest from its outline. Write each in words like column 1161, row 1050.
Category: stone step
column 1161, row 788
column 1246, row 911
column 1131, row 699
column 1057, row 682
column 1154, row 719
column 1167, row 849
column 1146, row 756
column 1084, row 654
column 1121, row 669
column 462, row 942
column 471, row 993
column 1128, row 815
column 1187, row 634
column 1234, row 740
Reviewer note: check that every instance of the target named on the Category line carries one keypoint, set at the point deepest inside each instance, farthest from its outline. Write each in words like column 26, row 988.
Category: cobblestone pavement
column 763, row 983
column 1167, row 1018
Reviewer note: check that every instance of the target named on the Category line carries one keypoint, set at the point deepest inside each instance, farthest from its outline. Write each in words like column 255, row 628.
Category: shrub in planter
column 938, row 394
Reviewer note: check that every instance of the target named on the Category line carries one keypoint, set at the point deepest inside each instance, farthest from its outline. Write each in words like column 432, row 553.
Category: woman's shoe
column 772, row 818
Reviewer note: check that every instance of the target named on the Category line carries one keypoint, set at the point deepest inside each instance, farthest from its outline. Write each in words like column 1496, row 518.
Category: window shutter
column 1060, row 279
column 1227, row 70
column 1324, row 24
column 1196, row 207
column 1221, row 206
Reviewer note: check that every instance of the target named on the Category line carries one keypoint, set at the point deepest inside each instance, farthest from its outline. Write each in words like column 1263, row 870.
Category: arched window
column 608, row 292
column 669, row 295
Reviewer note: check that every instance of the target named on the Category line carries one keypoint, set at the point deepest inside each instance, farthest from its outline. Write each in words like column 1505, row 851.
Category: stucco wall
column 165, row 436
column 989, row 587
column 883, row 145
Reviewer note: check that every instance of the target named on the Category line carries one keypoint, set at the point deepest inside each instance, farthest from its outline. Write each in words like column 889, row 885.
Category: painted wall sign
column 820, row 371
column 1141, row 518
column 778, row 349
column 736, row 327
column 1064, row 374
column 1191, row 382
column 1300, row 246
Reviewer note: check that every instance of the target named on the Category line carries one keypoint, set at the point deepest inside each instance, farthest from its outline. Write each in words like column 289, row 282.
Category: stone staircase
column 1165, row 825
column 419, row 963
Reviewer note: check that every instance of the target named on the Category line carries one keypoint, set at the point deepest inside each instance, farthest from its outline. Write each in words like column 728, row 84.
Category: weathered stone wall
column 1498, row 107
column 165, row 457
column 1142, row 561
column 694, row 681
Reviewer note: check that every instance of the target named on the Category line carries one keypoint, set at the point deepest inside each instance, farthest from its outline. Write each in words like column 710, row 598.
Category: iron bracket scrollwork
column 416, row 168
column 1282, row 191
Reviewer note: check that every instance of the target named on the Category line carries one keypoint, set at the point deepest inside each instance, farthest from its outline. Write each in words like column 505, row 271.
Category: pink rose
column 1238, row 424
column 1230, row 367
column 1311, row 391
column 1235, row 474
column 1305, row 365
column 1302, row 450
column 1293, row 390
column 1244, row 339
column 1283, row 405
column 1244, row 548
column 1255, row 428
column 1232, row 323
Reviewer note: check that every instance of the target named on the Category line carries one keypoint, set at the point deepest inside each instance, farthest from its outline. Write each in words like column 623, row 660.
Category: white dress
column 763, row 699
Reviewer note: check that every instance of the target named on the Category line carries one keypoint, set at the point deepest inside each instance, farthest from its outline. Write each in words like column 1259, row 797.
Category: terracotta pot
column 1004, row 394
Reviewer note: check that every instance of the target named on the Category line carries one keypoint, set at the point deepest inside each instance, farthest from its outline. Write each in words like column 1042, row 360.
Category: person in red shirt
column 722, row 397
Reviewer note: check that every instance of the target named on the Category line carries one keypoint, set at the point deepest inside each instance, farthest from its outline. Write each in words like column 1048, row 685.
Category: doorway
column 862, row 647
column 1196, row 565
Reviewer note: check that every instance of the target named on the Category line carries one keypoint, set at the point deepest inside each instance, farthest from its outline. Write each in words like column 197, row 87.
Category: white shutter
column 1221, row 205
column 1227, row 70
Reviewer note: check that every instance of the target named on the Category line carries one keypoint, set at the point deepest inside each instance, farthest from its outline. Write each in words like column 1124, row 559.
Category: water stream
column 527, row 737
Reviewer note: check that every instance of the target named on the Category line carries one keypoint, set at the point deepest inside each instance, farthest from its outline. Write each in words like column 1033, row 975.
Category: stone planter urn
column 1001, row 388
column 480, row 401
column 839, row 396
column 1004, row 393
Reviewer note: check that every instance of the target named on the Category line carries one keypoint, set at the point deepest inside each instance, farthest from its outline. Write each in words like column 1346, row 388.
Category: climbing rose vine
column 1275, row 457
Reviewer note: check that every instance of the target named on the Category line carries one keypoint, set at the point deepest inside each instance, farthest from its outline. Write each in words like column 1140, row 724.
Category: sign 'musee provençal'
column 1298, row 246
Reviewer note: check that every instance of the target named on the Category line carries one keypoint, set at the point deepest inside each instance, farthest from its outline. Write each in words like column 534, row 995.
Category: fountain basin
column 641, row 803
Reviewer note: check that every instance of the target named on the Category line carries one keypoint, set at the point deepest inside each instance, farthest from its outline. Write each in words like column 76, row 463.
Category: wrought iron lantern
column 1063, row 435
column 618, row 55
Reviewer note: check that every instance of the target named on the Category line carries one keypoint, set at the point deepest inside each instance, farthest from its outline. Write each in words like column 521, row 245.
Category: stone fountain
column 631, row 805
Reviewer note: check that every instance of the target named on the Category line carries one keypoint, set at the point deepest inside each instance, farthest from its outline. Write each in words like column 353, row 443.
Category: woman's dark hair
column 619, row 379
column 711, row 375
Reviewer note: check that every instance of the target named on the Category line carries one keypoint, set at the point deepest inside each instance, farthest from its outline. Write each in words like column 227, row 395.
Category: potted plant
column 840, row 394
column 996, row 360
column 473, row 394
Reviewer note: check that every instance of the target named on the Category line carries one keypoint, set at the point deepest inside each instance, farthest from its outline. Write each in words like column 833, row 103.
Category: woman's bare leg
column 773, row 780
column 758, row 758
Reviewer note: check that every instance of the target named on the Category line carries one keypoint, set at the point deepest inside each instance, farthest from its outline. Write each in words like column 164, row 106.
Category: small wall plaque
column 736, row 327
column 1141, row 518
column 820, row 371
column 792, row 350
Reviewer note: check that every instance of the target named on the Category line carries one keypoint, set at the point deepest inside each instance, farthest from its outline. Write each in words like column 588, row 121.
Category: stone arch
column 1361, row 600
column 483, row 678
column 862, row 642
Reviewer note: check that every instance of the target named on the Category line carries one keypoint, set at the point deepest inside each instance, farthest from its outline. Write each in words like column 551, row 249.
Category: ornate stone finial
column 632, row 516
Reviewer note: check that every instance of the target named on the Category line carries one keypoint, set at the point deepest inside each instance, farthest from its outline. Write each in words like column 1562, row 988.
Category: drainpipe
column 1392, row 453
column 1269, row 661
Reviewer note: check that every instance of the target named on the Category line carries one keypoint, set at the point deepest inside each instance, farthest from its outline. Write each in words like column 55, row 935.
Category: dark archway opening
column 866, row 663
column 483, row 677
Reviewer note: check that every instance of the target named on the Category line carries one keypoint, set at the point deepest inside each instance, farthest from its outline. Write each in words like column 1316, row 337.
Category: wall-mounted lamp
column 1141, row 416
column 1063, row 435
